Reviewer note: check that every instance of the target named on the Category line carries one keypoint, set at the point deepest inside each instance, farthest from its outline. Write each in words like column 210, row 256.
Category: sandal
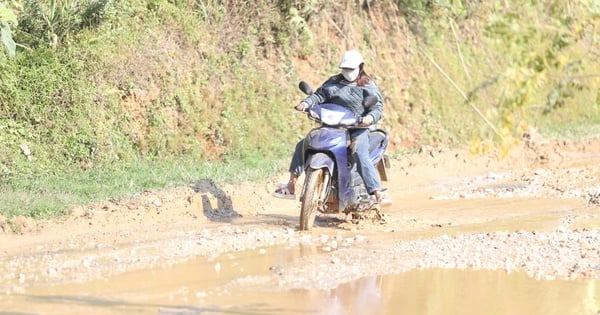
column 283, row 192
column 383, row 199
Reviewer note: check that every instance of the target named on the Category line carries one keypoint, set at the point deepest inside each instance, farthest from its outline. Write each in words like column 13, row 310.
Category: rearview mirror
column 305, row 87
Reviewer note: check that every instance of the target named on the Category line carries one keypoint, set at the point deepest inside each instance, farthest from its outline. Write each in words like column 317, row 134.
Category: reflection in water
column 443, row 291
column 591, row 303
column 364, row 296
column 198, row 287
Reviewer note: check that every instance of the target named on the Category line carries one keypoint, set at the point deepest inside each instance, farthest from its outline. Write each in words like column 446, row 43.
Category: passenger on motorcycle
column 348, row 89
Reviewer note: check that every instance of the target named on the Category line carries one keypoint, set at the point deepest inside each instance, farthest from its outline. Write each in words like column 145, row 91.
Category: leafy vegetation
column 103, row 98
column 7, row 17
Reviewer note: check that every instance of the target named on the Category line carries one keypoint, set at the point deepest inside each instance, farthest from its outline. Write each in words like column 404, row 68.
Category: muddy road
column 533, row 216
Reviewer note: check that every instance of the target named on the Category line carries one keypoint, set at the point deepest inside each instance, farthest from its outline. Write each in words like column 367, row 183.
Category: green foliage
column 423, row 16
column 541, row 52
column 48, row 108
column 51, row 22
column 540, row 60
column 7, row 17
column 298, row 23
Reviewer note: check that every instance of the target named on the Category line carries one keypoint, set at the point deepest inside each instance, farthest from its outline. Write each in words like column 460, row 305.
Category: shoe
column 382, row 199
column 283, row 192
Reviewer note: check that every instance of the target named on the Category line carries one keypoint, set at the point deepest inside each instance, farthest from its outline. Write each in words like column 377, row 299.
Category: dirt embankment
column 536, row 211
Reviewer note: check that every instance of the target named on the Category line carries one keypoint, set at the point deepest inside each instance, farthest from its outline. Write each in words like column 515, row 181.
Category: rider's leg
column 296, row 166
column 296, row 169
column 292, row 183
column 360, row 152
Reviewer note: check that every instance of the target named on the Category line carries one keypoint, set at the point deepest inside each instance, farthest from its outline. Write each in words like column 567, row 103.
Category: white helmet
column 351, row 59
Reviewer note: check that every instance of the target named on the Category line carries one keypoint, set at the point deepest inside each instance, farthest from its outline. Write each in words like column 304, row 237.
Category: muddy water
column 203, row 286
column 198, row 287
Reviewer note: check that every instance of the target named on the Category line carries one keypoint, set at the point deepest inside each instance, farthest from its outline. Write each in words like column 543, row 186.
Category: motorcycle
column 332, row 184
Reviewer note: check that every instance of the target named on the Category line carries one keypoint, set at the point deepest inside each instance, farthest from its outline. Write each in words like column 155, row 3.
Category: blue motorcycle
column 332, row 184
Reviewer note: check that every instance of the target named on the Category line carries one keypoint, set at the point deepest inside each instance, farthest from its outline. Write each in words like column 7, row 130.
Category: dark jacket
column 336, row 90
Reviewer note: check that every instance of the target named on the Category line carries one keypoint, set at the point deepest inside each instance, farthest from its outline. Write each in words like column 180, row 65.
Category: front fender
column 320, row 160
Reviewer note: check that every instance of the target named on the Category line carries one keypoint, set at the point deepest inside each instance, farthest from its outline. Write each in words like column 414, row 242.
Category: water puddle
column 198, row 287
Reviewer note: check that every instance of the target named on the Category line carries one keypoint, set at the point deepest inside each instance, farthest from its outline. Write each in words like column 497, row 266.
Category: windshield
column 333, row 114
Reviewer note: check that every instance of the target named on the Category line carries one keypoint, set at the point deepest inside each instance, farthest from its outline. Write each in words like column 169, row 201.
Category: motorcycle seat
column 376, row 138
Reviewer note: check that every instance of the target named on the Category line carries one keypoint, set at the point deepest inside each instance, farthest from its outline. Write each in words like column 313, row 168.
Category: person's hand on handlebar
column 301, row 107
column 366, row 121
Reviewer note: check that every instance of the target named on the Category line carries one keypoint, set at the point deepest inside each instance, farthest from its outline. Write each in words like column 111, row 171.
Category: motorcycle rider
column 348, row 89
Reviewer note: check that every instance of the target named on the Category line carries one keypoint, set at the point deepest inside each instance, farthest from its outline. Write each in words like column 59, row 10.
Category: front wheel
column 313, row 190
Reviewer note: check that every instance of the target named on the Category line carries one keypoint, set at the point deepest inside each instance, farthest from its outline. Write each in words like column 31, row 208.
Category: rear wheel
column 313, row 190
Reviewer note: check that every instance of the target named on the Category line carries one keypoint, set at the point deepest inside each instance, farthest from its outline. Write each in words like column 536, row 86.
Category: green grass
column 579, row 118
column 572, row 132
column 52, row 195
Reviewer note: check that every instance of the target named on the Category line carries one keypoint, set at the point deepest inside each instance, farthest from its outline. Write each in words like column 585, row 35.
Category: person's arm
column 318, row 96
column 375, row 110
